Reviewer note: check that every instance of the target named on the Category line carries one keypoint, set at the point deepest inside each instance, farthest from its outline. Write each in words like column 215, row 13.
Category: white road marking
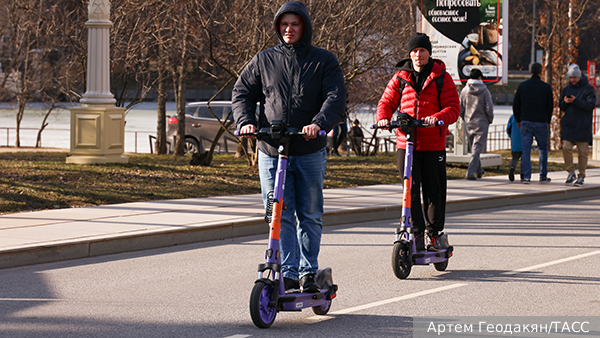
column 559, row 261
column 29, row 300
column 239, row 336
column 386, row 301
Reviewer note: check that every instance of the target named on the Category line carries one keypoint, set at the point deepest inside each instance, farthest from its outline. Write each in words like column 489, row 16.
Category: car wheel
column 191, row 146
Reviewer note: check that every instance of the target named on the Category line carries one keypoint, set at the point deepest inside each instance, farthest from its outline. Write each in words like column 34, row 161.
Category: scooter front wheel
column 401, row 263
column 262, row 314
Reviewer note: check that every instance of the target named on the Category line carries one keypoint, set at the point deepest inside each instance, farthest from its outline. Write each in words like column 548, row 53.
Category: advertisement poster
column 466, row 34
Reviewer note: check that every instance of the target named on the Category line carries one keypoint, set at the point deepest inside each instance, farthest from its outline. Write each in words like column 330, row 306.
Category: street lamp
column 98, row 127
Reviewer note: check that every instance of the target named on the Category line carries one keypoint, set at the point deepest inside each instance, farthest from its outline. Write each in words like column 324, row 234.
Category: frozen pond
column 140, row 122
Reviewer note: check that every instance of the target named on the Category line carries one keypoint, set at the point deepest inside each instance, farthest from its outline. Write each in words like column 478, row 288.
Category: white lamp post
column 98, row 127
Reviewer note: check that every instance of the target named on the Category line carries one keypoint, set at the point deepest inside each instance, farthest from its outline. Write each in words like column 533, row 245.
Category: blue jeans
column 301, row 221
column 539, row 130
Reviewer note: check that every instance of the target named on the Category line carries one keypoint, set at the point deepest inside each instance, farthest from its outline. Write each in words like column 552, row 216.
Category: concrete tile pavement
column 53, row 235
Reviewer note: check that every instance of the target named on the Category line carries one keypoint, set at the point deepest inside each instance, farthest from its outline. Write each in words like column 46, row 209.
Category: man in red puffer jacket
column 414, row 89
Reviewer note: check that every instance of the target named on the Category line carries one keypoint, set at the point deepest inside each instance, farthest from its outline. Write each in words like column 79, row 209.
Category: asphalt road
column 536, row 260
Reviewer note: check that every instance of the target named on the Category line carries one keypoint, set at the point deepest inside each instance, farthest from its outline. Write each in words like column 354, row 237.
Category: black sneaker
column 570, row 179
column 431, row 242
column 308, row 284
column 480, row 174
column 511, row 174
column 420, row 241
column 545, row 180
column 579, row 182
column 290, row 284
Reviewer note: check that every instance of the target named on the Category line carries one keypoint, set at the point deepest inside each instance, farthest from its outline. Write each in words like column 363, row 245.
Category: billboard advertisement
column 467, row 34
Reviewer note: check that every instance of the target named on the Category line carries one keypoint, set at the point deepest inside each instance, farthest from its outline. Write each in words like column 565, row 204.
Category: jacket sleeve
column 509, row 125
column 462, row 103
column 517, row 106
column 246, row 92
column 390, row 100
column 589, row 103
column 550, row 104
column 449, row 102
column 489, row 106
column 334, row 91
column 562, row 104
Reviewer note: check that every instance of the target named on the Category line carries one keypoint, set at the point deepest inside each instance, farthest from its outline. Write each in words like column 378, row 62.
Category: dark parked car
column 201, row 127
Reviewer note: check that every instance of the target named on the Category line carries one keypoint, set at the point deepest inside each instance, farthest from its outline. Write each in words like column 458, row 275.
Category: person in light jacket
column 477, row 110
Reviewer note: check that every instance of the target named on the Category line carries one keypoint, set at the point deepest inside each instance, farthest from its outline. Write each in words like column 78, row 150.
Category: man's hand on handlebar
column 431, row 121
column 311, row 131
column 383, row 123
column 248, row 129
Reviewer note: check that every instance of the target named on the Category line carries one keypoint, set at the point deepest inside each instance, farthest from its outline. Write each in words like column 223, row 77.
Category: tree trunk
column 180, row 99
column 161, row 127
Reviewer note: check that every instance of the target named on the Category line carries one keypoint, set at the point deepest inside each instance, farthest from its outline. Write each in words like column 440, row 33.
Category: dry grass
column 42, row 180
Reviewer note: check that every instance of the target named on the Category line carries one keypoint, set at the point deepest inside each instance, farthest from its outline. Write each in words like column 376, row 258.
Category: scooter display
column 404, row 253
column 269, row 296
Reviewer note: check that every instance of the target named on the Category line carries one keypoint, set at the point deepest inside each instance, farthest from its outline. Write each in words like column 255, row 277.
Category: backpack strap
column 439, row 83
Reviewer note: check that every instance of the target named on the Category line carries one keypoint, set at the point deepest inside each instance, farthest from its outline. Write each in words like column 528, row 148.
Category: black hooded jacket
column 576, row 125
column 300, row 84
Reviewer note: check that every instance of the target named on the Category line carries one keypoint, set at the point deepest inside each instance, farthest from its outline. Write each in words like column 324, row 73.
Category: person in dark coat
column 532, row 107
column 516, row 147
column 578, row 100
column 303, row 86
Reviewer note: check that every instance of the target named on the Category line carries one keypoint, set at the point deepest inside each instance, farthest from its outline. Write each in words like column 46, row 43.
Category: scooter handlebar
column 320, row 133
column 414, row 123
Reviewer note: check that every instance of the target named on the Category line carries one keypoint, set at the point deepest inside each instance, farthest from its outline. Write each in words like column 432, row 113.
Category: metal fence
column 138, row 141
column 135, row 141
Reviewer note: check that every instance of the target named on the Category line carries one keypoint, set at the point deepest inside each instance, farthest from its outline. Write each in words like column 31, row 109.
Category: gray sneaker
column 579, row 182
column 570, row 179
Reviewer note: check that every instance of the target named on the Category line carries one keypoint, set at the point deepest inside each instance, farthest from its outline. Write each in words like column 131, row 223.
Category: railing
column 62, row 138
column 497, row 140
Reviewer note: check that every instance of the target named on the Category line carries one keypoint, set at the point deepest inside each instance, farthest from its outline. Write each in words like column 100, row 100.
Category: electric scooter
column 405, row 254
column 268, row 296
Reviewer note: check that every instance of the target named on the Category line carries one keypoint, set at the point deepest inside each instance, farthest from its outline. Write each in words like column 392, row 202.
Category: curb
column 256, row 226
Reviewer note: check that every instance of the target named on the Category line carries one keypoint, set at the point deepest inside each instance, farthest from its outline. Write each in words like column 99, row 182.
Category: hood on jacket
column 582, row 82
column 299, row 8
column 475, row 86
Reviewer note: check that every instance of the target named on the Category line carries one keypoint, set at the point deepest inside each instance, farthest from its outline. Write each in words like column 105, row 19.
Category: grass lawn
column 42, row 180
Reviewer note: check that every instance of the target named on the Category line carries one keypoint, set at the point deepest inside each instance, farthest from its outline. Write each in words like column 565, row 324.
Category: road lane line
column 559, row 261
column 386, row 301
column 239, row 336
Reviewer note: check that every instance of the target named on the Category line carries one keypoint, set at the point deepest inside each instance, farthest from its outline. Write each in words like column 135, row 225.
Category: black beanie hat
column 419, row 40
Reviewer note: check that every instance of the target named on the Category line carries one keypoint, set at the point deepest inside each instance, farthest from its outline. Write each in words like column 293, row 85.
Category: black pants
column 428, row 176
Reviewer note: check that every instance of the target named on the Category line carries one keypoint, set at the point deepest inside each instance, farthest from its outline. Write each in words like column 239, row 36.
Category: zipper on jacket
column 291, row 82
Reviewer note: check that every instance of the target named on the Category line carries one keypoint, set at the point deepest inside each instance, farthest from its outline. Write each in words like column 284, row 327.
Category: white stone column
column 98, row 127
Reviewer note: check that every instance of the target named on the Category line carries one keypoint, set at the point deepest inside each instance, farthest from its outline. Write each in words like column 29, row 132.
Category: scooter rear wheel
column 262, row 314
column 441, row 266
column 323, row 309
column 401, row 263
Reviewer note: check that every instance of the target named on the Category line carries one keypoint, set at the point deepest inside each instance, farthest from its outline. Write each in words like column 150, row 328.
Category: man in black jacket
column 303, row 86
column 578, row 100
column 532, row 108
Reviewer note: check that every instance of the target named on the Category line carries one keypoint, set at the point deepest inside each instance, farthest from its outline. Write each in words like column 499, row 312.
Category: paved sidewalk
column 53, row 235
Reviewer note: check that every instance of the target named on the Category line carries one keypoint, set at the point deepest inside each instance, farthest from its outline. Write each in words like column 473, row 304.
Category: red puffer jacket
column 421, row 105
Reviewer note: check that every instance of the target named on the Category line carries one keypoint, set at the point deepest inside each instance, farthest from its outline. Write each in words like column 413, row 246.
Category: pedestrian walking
column 303, row 86
column 477, row 111
column 532, row 107
column 425, row 91
column 578, row 100
column 516, row 147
